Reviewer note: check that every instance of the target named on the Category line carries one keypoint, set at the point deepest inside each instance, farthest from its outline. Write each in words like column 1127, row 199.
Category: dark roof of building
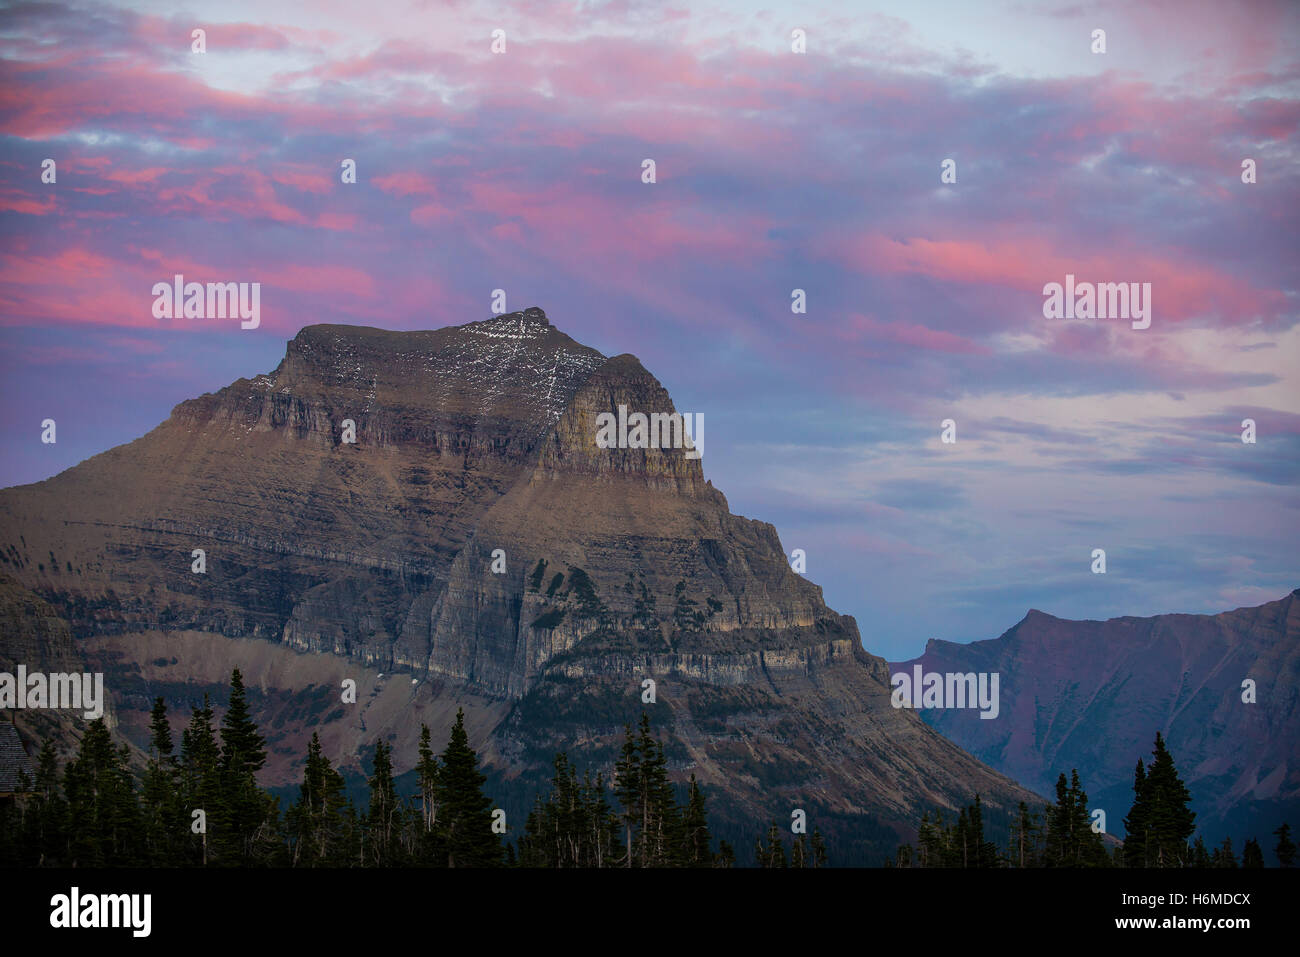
column 13, row 759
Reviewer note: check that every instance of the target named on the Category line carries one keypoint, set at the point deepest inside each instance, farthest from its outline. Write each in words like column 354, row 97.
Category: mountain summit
column 476, row 539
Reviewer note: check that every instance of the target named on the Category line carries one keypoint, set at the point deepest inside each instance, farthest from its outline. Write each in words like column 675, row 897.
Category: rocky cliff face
column 1092, row 695
column 35, row 636
column 474, row 447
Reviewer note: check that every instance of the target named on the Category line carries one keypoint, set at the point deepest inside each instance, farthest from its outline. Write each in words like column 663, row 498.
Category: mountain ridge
column 1091, row 694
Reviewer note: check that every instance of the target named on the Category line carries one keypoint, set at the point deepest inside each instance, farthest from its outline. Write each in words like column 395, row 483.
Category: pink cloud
column 406, row 184
column 1182, row 288
column 13, row 200
column 860, row 328
column 134, row 177
column 334, row 280
column 562, row 220
column 306, row 178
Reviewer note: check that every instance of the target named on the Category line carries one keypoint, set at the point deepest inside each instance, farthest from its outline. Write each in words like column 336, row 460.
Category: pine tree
column 466, row 811
column 246, row 813
column 321, row 824
column 39, row 835
column 102, row 803
column 602, row 825
column 1088, row 848
column 654, row 828
column 1071, row 841
column 772, row 853
column 426, row 770
column 928, row 843
column 572, row 826
column 818, row 849
column 45, row 822
column 1223, row 855
column 726, row 856
column 776, row 847
column 243, row 749
column 799, row 856
column 1160, row 823
column 1135, row 824
column 164, row 818
column 658, row 825
column 1285, row 848
column 1200, row 856
column 160, row 733
column 627, row 782
column 1022, row 851
column 384, row 819
column 564, row 814
column 428, row 845
column 1252, row 856
column 696, row 827
column 975, row 830
column 669, row 843
column 200, row 780
column 985, row 852
column 1170, row 822
column 1059, row 819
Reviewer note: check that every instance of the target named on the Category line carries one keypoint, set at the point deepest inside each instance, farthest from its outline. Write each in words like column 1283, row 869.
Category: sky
column 775, row 170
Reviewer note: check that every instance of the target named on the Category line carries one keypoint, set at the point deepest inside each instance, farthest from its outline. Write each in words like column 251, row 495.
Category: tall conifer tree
column 164, row 820
column 384, row 817
column 1285, row 847
column 245, row 811
column 466, row 811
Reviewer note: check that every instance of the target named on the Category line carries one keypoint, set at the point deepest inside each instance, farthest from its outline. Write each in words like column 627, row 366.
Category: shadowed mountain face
column 474, row 544
column 1092, row 694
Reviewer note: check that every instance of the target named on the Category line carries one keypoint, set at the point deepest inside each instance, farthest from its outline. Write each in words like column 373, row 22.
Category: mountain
column 374, row 560
column 1092, row 695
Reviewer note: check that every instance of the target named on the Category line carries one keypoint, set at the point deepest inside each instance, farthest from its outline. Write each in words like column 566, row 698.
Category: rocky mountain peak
column 436, row 504
column 495, row 385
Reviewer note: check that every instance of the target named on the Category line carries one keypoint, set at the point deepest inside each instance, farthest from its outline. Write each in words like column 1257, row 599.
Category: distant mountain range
column 473, row 547
column 1092, row 694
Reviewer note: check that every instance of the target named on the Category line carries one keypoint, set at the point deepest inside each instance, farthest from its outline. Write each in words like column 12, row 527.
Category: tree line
column 1158, row 829
column 201, row 806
